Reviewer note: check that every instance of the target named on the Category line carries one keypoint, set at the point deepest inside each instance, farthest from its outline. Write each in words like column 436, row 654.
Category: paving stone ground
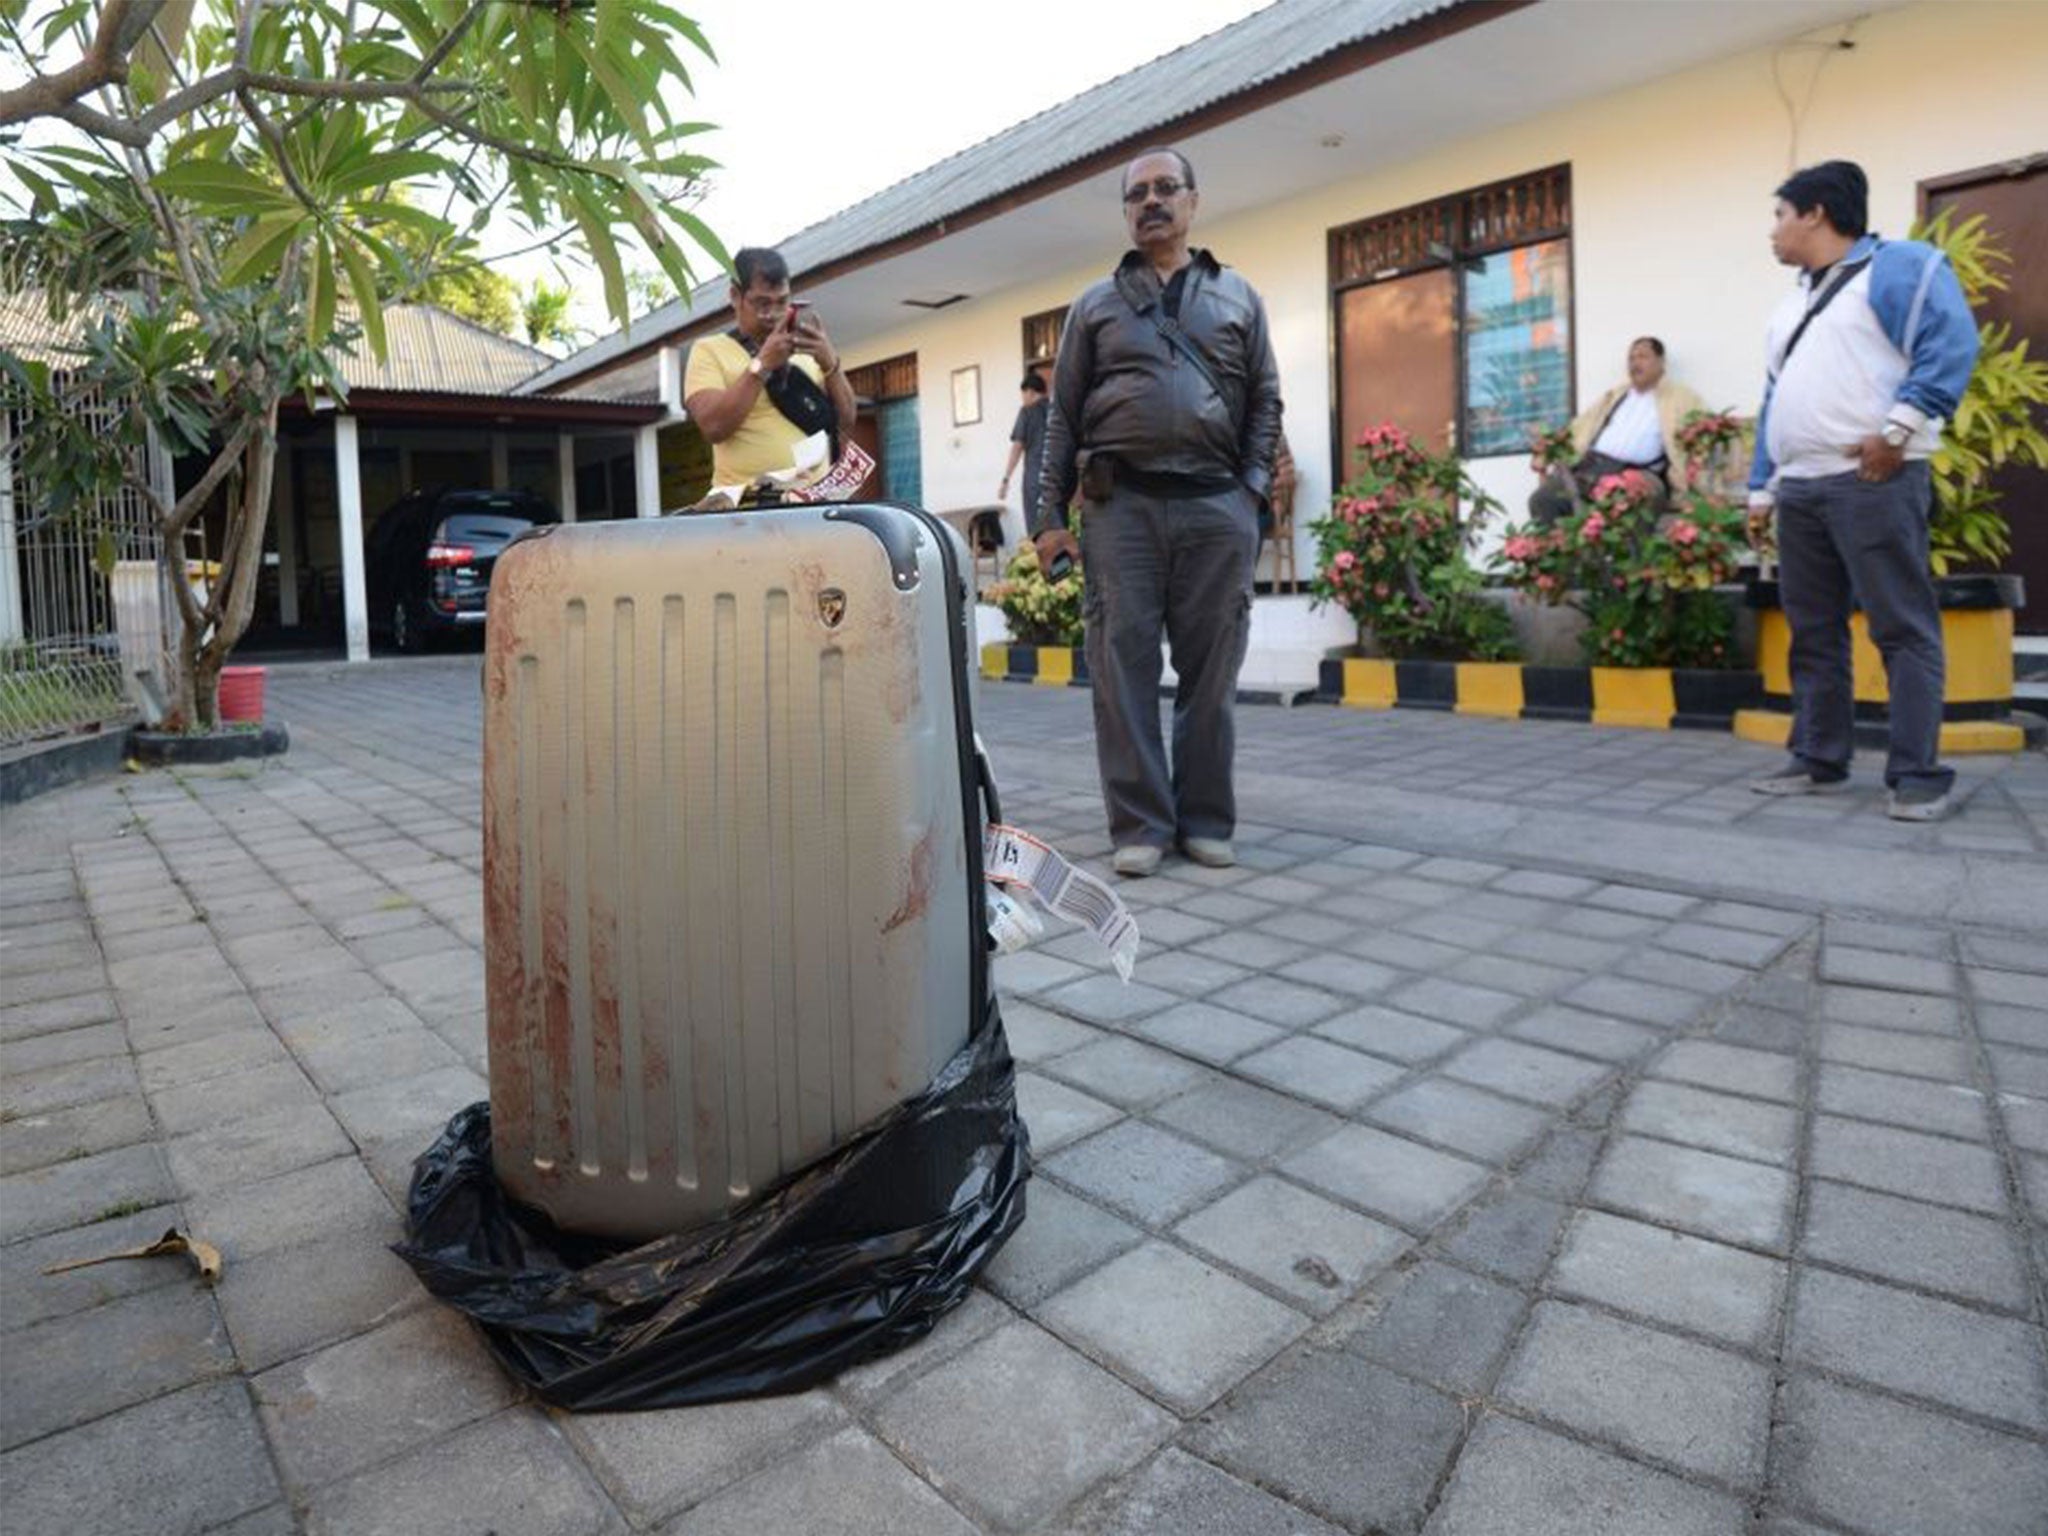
column 1535, row 1134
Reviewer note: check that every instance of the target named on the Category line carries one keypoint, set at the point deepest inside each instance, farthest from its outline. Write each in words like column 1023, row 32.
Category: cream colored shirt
column 766, row 440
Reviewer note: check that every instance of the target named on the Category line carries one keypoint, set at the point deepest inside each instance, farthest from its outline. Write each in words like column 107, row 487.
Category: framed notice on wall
column 967, row 395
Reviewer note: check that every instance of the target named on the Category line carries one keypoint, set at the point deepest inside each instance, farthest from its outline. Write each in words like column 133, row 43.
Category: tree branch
column 123, row 23
column 194, row 501
column 446, row 46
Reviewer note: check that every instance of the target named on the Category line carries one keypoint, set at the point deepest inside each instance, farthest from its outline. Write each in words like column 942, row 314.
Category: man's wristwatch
column 1897, row 433
column 754, row 366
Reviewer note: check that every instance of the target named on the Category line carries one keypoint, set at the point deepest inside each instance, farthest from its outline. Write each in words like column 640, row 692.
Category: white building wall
column 1671, row 189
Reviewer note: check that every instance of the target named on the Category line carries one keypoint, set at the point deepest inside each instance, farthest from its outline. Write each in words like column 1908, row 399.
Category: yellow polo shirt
column 767, row 439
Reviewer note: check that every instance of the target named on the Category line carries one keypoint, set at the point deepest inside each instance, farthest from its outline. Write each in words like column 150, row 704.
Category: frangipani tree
column 221, row 195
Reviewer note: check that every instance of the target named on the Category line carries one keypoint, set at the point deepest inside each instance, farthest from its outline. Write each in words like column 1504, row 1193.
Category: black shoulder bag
column 800, row 398
column 1843, row 277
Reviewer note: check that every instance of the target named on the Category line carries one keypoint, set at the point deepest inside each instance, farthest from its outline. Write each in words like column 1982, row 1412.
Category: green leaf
column 40, row 189
column 320, row 293
column 390, row 167
column 362, row 282
column 261, row 248
column 219, row 184
column 598, row 237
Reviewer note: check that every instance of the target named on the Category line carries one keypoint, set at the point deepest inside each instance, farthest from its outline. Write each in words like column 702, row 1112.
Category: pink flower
column 1545, row 582
column 1379, row 589
column 1520, row 547
column 1593, row 527
column 1606, row 486
column 1345, row 560
column 1683, row 532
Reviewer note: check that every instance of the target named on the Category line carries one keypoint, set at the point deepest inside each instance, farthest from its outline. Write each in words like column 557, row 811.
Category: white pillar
column 565, row 471
column 10, row 560
column 671, row 375
column 501, row 462
column 348, row 504
column 647, row 471
column 284, row 515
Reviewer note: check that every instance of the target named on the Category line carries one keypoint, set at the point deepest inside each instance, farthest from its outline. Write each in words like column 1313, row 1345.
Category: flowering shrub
column 1644, row 580
column 1039, row 612
column 1553, row 449
column 1392, row 553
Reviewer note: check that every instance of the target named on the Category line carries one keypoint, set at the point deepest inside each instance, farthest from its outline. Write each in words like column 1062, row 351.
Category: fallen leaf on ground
column 205, row 1257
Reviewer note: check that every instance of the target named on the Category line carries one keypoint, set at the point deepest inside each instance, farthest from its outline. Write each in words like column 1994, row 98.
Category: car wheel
column 402, row 633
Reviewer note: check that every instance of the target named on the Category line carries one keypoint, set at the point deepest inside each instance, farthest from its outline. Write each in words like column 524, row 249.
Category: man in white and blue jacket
column 1867, row 358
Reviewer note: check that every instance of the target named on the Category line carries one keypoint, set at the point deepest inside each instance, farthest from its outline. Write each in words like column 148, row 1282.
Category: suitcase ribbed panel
column 726, row 910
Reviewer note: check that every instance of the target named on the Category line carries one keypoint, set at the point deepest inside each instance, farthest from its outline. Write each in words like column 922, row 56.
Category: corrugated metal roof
column 1272, row 43
column 28, row 332
column 430, row 350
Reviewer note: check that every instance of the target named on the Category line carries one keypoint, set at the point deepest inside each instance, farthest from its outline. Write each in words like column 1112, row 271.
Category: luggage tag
column 1016, row 860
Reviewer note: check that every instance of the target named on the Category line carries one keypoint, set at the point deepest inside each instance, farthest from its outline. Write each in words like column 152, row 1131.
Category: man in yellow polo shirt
column 759, row 389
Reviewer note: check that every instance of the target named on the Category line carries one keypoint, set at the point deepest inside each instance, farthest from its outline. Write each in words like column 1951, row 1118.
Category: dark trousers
column 1553, row 498
column 1844, row 542
column 1182, row 568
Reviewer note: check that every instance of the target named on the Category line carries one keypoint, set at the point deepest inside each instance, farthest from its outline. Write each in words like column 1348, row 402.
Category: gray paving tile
column 1855, row 967
column 1388, row 1032
column 1719, row 1122
column 1915, row 1244
column 81, row 1189
column 1284, row 1003
column 1315, row 1069
column 1461, row 1118
column 1892, row 1010
column 380, row 1394
column 1063, row 1237
column 1952, row 1109
column 1916, row 1344
column 1877, row 1465
column 1058, row 1114
column 1651, row 1393
column 1144, row 1172
column 1079, row 1423
column 290, row 1300
column 1455, row 1002
column 2018, row 1071
column 1710, row 1064
column 1245, row 1120
column 1183, row 1330
column 239, row 1152
column 1202, row 1030
column 1340, row 1436
column 1525, row 1071
column 1126, row 1072
column 59, row 1087
column 1510, row 1236
column 1347, row 976
column 1037, row 1034
column 1176, row 1492
column 1561, row 1167
column 1731, row 946
column 1585, row 1034
column 173, row 1466
column 1702, row 1192
column 975, row 1318
column 845, row 1485
column 1386, row 1175
column 62, row 1135
column 27, row 1295
column 1907, row 1163
column 1443, row 1324
column 1889, row 1050
column 1295, row 1241
column 1671, row 1277
column 1643, row 1001
column 1518, row 1480
column 510, row 1475
column 155, row 1342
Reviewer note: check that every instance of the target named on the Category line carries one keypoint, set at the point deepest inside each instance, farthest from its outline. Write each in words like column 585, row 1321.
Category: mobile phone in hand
column 1061, row 567
column 795, row 319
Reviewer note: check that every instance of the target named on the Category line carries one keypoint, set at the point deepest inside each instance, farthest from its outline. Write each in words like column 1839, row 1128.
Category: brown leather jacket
column 1120, row 387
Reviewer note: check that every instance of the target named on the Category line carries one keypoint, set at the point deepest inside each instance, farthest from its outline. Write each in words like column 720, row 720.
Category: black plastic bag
column 858, row 1255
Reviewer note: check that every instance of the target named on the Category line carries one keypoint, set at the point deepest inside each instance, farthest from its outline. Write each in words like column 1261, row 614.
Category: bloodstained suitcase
column 732, row 850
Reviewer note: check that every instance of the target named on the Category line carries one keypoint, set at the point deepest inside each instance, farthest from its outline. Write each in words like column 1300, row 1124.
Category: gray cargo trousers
column 1182, row 568
column 1842, row 542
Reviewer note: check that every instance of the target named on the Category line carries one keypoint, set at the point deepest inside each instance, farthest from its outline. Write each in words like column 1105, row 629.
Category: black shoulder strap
column 1844, row 275
column 1177, row 340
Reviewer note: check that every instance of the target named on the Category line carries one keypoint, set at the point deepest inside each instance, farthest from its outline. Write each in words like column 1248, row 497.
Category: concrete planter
column 1976, row 631
column 1049, row 666
column 173, row 748
column 1649, row 698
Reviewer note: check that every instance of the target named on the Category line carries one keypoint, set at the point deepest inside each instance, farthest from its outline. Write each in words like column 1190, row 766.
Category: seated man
column 1633, row 426
column 772, row 380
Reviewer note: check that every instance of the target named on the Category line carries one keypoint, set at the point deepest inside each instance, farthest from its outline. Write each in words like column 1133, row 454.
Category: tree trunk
column 208, row 633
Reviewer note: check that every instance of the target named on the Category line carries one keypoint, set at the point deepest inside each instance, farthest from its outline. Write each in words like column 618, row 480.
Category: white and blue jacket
column 1896, row 344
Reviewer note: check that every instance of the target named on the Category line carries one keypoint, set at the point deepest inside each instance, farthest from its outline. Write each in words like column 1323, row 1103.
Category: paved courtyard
column 1538, row 1135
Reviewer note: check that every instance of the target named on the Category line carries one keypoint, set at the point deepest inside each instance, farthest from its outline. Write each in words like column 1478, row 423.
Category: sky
column 820, row 105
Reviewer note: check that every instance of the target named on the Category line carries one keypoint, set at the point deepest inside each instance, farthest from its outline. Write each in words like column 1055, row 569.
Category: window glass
column 1517, row 347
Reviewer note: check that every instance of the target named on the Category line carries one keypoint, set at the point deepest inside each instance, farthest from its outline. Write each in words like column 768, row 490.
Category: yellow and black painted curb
column 1049, row 666
column 1650, row 698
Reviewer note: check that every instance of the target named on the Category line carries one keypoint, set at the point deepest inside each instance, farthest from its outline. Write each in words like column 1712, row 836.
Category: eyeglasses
column 1166, row 189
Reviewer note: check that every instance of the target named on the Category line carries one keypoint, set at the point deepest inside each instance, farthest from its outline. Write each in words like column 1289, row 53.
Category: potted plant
column 1044, row 620
column 1394, row 553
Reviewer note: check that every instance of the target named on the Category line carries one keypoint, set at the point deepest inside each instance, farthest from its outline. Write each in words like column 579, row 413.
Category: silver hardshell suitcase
column 732, row 850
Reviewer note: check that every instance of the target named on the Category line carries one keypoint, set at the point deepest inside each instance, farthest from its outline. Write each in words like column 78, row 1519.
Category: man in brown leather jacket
column 1166, row 409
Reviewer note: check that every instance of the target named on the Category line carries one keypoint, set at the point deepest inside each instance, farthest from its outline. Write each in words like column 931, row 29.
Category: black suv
column 428, row 559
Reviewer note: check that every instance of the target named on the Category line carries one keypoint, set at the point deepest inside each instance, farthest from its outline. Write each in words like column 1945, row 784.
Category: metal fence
column 61, row 667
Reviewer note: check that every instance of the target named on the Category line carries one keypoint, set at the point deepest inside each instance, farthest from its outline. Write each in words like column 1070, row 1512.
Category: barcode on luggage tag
column 1015, row 858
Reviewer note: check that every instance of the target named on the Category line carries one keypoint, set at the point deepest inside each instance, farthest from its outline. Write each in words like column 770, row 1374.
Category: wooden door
column 1397, row 360
column 2014, row 202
